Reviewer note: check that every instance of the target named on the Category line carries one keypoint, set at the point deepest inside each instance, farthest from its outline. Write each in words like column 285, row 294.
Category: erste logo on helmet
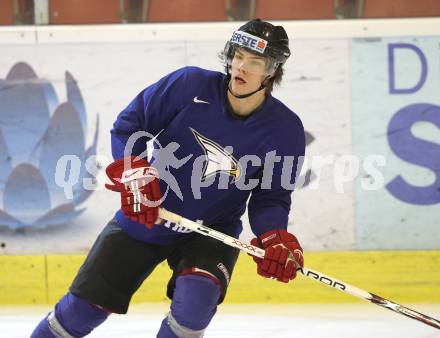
column 250, row 41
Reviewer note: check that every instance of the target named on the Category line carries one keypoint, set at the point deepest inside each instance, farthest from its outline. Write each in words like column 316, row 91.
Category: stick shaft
column 312, row 274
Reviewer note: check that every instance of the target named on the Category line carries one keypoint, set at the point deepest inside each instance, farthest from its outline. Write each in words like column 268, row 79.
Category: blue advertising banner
column 396, row 117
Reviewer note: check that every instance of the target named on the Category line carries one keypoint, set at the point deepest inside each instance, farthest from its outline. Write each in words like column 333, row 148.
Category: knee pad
column 75, row 317
column 194, row 302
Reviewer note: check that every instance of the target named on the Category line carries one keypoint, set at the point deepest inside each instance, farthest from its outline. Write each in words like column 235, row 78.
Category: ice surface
column 250, row 321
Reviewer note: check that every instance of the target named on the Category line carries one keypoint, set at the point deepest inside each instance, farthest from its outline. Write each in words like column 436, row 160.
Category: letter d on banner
column 391, row 68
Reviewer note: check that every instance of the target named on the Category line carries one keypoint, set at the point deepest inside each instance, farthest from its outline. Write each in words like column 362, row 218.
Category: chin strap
column 243, row 96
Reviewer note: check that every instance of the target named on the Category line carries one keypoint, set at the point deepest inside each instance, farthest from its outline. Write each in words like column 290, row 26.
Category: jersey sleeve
column 150, row 111
column 269, row 206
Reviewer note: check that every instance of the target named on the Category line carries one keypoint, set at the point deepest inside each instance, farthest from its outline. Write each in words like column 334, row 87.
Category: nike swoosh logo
column 196, row 100
column 127, row 175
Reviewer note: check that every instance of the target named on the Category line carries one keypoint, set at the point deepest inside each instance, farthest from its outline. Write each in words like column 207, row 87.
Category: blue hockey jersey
column 211, row 161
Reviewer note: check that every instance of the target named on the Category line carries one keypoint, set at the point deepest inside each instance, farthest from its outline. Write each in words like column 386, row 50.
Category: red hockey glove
column 282, row 257
column 139, row 188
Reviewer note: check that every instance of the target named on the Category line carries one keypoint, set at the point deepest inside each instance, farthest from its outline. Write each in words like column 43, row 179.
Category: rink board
column 401, row 276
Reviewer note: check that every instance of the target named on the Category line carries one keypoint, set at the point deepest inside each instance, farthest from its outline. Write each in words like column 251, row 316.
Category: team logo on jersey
column 218, row 160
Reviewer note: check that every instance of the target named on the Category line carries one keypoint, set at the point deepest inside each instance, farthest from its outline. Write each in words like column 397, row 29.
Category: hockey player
column 219, row 134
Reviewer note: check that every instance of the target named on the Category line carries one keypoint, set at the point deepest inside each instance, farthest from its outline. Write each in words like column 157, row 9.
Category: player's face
column 248, row 71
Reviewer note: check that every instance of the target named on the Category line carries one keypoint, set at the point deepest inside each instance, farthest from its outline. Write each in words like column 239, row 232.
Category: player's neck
column 245, row 107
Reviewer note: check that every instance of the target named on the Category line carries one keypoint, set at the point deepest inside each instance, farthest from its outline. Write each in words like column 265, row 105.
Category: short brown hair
column 275, row 79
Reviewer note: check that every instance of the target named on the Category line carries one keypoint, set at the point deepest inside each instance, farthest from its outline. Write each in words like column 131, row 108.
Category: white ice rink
column 250, row 321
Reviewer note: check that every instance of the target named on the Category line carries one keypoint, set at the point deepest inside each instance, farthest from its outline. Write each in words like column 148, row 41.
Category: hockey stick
column 315, row 275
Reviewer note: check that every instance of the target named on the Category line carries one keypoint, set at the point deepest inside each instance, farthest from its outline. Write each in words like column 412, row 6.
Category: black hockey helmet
column 260, row 37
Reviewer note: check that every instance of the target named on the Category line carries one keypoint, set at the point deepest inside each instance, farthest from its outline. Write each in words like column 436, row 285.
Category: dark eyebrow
column 252, row 56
